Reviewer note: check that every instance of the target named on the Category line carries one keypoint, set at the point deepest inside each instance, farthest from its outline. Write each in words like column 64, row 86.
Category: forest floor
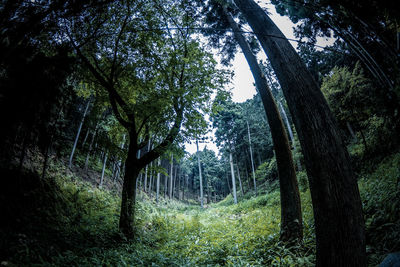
column 65, row 220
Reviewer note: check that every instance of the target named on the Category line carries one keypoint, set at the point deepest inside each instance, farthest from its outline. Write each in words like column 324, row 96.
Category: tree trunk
column 252, row 161
column 151, row 179
column 77, row 135
column 353, row 135
column 200, row 177
column 90, row 150
column 145, row 172
column 85, row 139
column 227, row 181
column 233, row 178
column 179, row 184
column 128, row 198
column 158, row 182
column 240, row 180
column 290, row 135
column 171, row 177
column 102, row 171
column 339, row 222
column 291, row 217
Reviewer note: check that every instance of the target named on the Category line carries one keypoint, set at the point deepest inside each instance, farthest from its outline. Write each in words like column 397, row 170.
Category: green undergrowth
column 63, row 221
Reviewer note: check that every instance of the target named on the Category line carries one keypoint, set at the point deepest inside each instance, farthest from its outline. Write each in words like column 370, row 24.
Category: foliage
column 381, row 201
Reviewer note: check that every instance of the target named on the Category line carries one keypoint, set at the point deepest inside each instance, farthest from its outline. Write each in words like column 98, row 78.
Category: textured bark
column 291, row 217
column 339, row 222
column 128, row 198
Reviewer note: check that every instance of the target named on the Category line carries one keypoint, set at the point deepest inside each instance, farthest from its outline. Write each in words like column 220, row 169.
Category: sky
column 243, row 82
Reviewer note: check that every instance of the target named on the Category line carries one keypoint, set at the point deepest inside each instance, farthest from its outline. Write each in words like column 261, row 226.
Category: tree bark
column 339, row 222
column 128, row 199
column 291, row 217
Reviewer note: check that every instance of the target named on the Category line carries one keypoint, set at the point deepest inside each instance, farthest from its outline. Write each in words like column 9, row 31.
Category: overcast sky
column 243, row 81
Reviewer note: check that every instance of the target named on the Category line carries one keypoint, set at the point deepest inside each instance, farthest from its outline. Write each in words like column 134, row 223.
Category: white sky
column 243, row 81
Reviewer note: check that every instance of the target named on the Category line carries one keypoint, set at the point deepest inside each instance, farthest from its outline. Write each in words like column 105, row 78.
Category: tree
column 292, row 227
column 157, row 82
column 339, row 222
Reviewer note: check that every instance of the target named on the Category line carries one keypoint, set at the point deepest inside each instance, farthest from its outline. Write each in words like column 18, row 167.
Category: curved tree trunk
column 291, row 217
column 339, row 222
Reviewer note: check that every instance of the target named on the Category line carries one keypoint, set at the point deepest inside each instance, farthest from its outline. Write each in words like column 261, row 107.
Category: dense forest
column 99, row 100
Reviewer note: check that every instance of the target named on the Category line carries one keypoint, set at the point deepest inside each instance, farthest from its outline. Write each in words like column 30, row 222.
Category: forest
column 100, row 100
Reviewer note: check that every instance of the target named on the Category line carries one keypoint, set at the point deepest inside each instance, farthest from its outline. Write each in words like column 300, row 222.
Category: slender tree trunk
column 291, row 217
column 165, row 185
column 158, row 182
column 339, row 222
column 353, row 135
column 227, row 181
column 208, row 191
column 290, row 134
column 86, row 137
column 179, row 185
column 77, row 135
column 139, row 176
column 119, row 166
column 90, row 148
column 151, row 179
column 145, row 172
column 240, row 180
column 200, row 177
column 171, row 177
column 102, row 171
column 233, row 178
column 251, row 158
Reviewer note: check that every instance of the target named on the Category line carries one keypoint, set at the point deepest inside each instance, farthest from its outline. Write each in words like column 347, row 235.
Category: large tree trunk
column 291, row 217
column 339, row 222
column 128, row 199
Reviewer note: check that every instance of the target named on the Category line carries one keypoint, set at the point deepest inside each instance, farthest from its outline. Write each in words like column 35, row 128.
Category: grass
column 63, row 221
